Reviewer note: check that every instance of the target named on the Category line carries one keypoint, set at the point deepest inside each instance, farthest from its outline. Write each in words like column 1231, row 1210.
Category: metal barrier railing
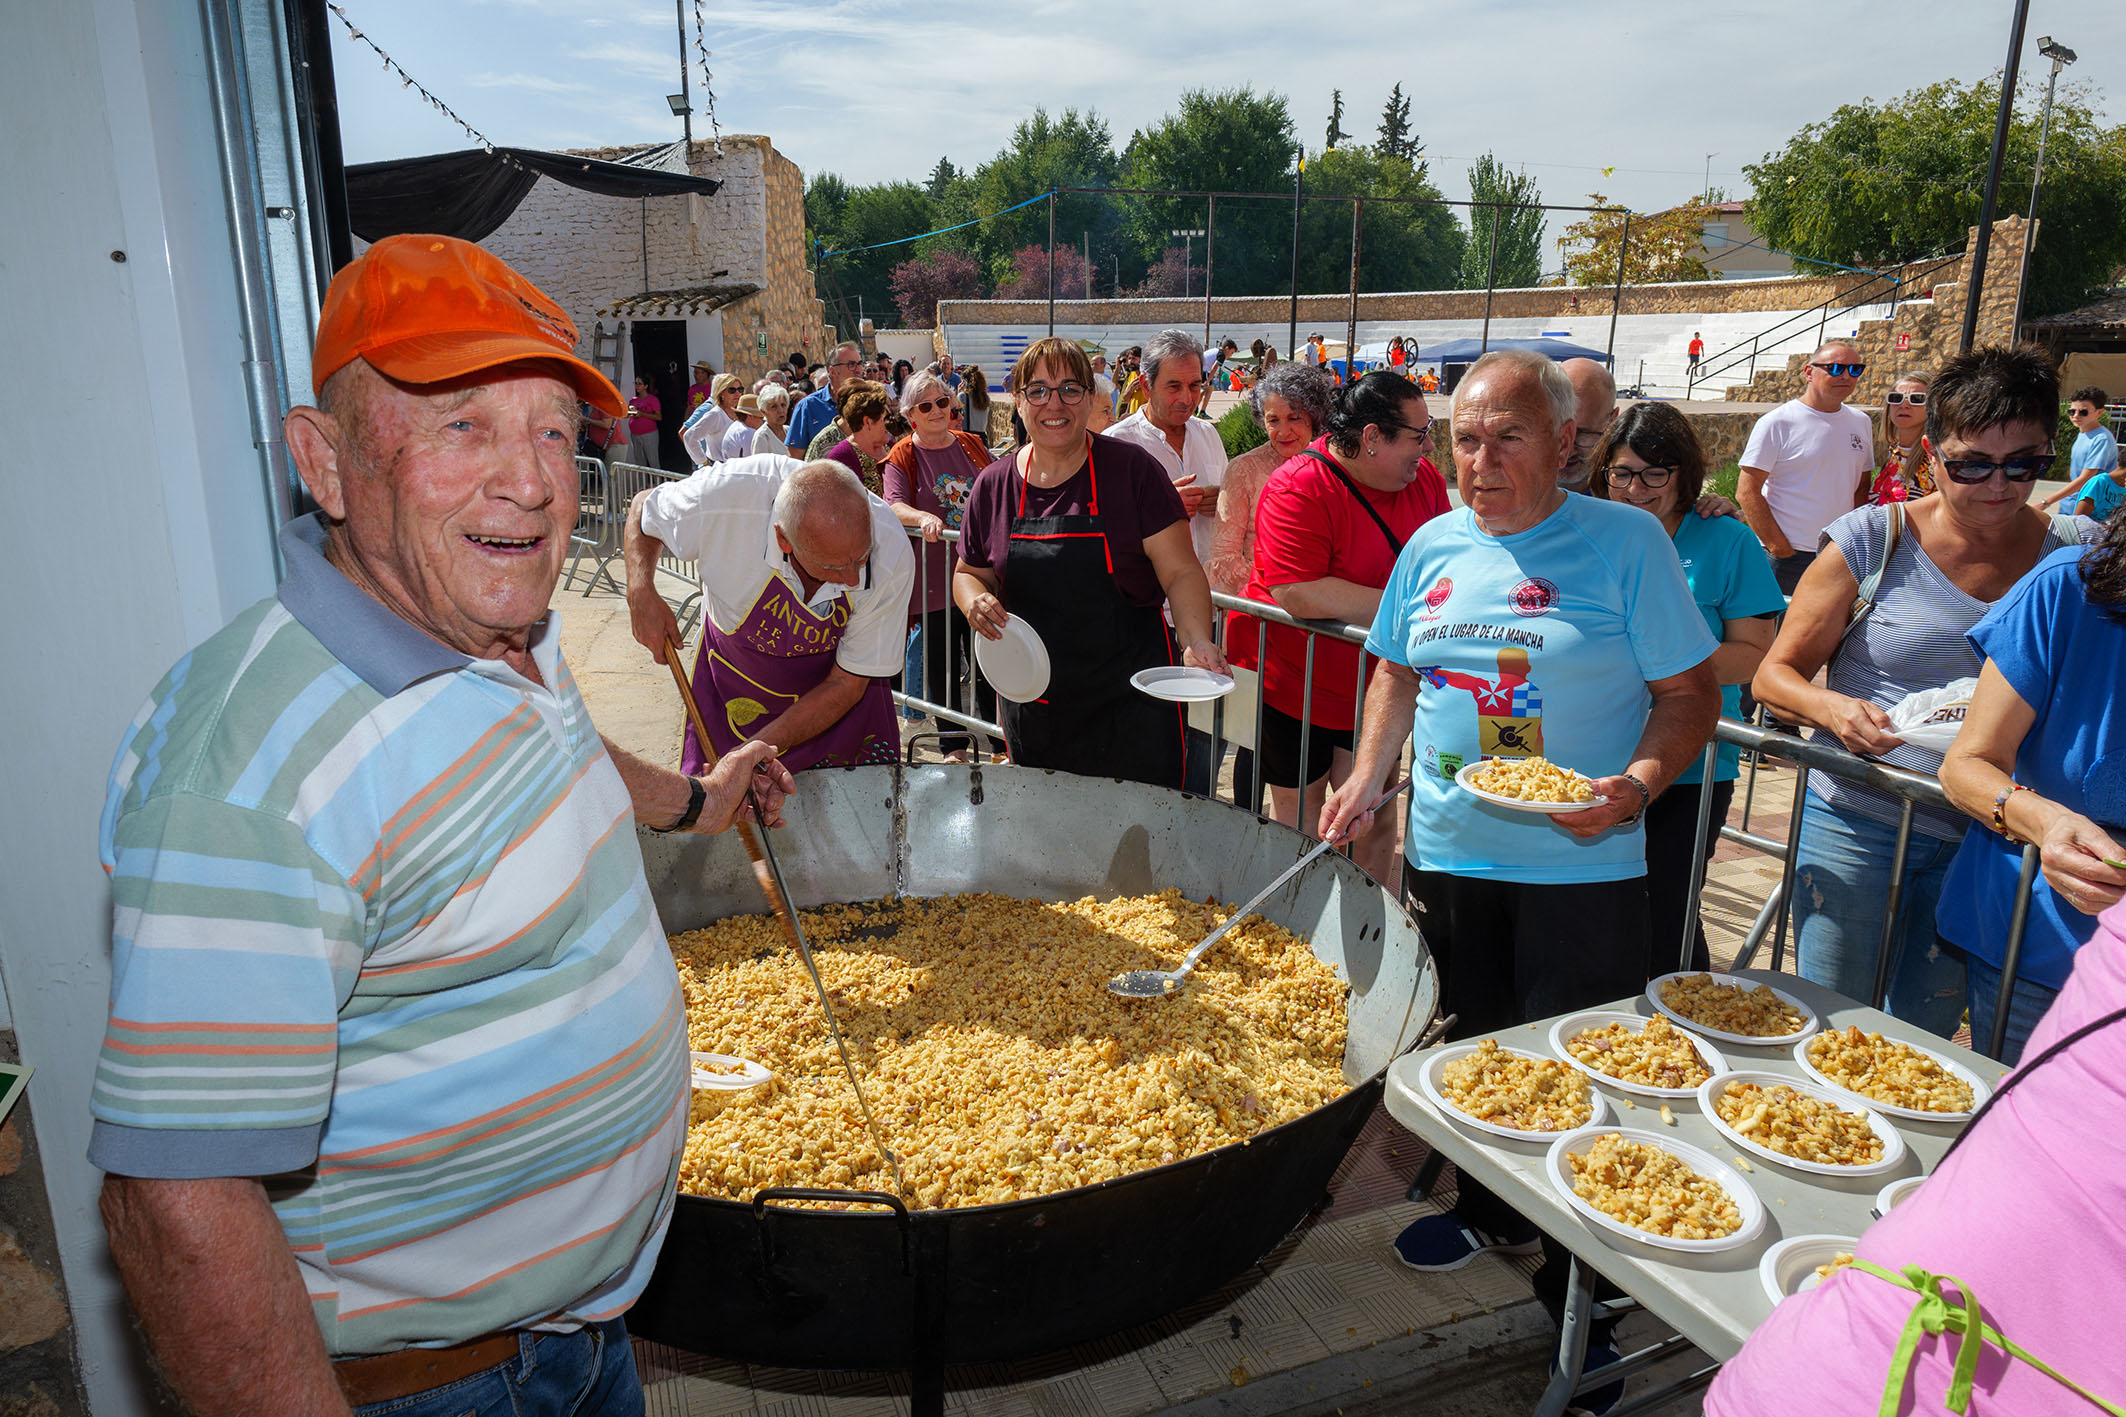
column 1913, row 790
column 601, row 531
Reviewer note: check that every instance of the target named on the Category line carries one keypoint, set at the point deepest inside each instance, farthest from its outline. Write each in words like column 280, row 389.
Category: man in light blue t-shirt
column 1529, row 623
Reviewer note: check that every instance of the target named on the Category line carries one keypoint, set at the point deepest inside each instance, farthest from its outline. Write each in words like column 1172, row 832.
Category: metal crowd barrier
column 1912, row 789
column 601, row 529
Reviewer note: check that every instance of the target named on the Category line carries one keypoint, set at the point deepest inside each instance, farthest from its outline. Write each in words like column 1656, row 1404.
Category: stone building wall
column 587, row 250
column 1932, row 329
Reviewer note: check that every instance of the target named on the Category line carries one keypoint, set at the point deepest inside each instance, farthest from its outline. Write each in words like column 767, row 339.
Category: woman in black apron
column 1073, row 562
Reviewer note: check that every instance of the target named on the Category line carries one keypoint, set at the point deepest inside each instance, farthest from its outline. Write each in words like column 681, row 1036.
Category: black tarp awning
column 468, row 194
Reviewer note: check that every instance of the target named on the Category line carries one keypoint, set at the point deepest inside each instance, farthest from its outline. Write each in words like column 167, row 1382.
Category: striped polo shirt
column 381, row 936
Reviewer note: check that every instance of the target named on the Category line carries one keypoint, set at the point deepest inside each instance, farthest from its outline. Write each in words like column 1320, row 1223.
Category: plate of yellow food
column 1508, row 1092
column 1649, row 1056
column 1655, row 1189
column 1893, row 1076
column 1801, row 1262
column 1528, row 785
column 1731, row 1008
column 1796, row 1125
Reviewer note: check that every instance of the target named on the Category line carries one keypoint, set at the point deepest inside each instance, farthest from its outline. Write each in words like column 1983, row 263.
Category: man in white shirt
column 1808, row 463
column 1193, row 455
column 805, row 579
column 1103, row 386
column 745, row 421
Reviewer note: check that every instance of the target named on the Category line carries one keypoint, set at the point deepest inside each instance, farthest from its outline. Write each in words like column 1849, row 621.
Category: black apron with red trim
column 1058, row 575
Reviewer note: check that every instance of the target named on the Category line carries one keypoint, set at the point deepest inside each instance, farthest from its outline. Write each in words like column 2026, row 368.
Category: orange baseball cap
column 422, row 309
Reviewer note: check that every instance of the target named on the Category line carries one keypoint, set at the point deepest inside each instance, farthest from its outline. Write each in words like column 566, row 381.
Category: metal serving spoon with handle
column 1158, row 983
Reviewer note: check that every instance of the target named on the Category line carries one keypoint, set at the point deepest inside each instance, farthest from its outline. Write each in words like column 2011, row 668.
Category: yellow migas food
column 1652, row 1190
column 1752, row 1010
column 1531, row 780
column 994, row 1058
column 1799, row 1125
column 1507, row 1090
column 1888, row 1071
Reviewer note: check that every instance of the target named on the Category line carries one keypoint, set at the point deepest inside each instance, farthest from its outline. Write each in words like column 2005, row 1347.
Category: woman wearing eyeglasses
column 1904, row 475
column 928, row 475
column 1651, row 459
column 1951, row 557
column 1083, row 537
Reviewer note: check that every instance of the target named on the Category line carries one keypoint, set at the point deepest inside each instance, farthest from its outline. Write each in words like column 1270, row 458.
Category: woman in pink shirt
column 2028, row 1209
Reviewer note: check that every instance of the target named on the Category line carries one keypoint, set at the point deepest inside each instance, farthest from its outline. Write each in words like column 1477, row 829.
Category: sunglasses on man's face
column 1841, row 371
column 1972, row 471
column 1916, row 400
column 2080, row 412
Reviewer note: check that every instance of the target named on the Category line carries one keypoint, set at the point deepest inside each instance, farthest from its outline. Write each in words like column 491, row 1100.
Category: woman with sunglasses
column 1951, row 557
column 1651, row 459
column 1904, row 474
column 1082, row 536
column 928, row 475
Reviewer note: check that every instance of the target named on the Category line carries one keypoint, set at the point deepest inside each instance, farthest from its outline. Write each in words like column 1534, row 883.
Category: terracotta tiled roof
column 693, row 300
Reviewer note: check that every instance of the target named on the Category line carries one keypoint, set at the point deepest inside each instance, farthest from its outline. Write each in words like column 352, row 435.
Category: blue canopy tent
column 1467, row 351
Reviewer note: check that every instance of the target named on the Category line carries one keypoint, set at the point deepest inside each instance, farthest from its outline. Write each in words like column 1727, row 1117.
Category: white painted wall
column 147, row 536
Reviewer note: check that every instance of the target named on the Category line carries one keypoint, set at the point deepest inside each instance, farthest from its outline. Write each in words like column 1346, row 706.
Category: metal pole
column 1085, row 249
column 1786, row 872
column 2017, row 923
column 1975, row 268
column 686, row 111
column 1051, row 261
column 1616, row 296
column 1491, row 271
column 1699, row 852
column 1210, row 236
column 1291, row 333
column 1351, row 331
column 1883, row 960
column 2044, row 131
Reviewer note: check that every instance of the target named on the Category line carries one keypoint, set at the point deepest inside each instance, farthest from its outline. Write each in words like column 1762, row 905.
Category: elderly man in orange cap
column 395, row 1083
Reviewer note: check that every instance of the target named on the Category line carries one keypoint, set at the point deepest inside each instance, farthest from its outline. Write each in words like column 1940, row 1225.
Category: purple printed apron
column 749, row 678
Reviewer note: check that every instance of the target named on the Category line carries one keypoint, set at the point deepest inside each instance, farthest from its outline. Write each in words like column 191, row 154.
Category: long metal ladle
column 768, row 872
column 1158, row 983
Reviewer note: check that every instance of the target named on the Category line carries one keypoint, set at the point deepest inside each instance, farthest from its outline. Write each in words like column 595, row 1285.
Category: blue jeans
column 1841, row 884
column 2025, row 1007
column 588, row 1373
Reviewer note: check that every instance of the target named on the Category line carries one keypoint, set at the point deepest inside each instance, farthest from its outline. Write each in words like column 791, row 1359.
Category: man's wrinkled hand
column 749, row 783
column 651, row 619
column 1203, row 654
column 1622, row 804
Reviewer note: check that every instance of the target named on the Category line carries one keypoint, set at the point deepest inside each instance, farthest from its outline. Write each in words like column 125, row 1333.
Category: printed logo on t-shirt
column 1858, row 446
column 1509, row 709
column 1533, row 596
column 1437, row 596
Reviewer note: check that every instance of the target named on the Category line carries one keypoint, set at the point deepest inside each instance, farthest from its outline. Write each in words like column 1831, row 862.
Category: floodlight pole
column 1975, row 266
column 686, row 112
column 2061, row 57
column 1210, row 238
column 1491, row 272
column 1051, row 260
column 1291, row 333
column 1616, row 295
column 1358, row 205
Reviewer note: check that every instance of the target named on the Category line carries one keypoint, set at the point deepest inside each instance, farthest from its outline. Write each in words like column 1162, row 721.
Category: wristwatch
column 1645, row 800
column 696, row 795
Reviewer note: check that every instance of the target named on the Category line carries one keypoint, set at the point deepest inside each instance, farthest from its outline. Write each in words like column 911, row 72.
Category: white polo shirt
column 723, row 517
column 1202, row 452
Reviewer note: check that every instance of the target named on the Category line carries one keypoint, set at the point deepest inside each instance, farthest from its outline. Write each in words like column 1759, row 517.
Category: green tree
column 1404, row 246
column 1520, row 227
column 1075, row 150
column 1875, row 185
column 1233, row 140
column 1396, row 140
column 1337, row 132
column 848, row 220
column 941, row 178
column 1669, row 246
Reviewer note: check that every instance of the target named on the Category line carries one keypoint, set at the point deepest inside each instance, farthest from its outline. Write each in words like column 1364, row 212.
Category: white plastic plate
column 1016, row 664
column 1182, row 684
column 1789, row 1267
column 1979, row 1091
column 1808, row 1015
column 1703, row 1162
column 1565, row 1028
column 1428, row 1083
column 1515, row 804
column 1896, row 1194
column 748, row 1073
column 1893, row 1145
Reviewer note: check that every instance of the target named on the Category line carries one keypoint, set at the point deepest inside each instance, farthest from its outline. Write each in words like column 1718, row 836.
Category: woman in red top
column 1328, row 527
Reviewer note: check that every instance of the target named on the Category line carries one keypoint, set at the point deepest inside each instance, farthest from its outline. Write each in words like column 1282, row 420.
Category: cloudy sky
column 879, row 89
